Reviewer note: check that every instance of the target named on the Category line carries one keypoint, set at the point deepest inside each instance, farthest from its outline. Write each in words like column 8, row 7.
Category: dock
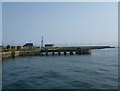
column 79, row 50
column 65, row 51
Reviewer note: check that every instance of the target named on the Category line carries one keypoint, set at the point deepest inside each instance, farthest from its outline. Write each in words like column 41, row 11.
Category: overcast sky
column 60, row 23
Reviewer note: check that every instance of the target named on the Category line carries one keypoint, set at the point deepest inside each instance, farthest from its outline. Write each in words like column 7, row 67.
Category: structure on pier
column 42, row 42
column 28, row 46
column 49, row 45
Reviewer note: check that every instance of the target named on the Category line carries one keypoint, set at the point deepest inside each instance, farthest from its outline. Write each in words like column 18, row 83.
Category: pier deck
column 78, row 50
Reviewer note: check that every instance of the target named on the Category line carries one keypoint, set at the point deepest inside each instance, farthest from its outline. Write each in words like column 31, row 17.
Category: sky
column 80, row 23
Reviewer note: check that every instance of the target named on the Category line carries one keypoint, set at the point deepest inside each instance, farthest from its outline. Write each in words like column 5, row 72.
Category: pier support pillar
column 53, row 53
column 88, row 51
column 79, row 52
column 41, row 53
column 46, row 53
column 71, row 52
column 76, row 53
column 59, row 53
column 84, row 51
column 64, row 53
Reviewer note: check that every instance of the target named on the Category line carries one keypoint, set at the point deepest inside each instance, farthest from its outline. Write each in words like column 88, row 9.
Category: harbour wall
column 43, row 53
column 51, row 51
column 5, row 55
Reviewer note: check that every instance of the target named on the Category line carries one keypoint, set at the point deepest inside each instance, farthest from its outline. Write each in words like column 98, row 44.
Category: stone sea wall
column 5, row 55
column 29, row 53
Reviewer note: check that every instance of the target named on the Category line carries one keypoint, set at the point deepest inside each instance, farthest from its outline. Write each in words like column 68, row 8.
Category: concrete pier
column 14, row 54
column 64, row 51
column 52, row 51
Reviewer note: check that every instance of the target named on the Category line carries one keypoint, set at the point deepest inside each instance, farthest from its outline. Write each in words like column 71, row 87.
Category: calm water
column 99, row 70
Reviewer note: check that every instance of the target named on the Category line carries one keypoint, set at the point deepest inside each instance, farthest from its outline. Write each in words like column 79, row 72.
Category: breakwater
column 5, row 55
column 52, row 51
column 19, row 53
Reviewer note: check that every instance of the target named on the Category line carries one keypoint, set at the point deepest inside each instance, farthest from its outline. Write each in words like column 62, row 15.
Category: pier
column 65, row 51
column 78, row 50
column 81, row 50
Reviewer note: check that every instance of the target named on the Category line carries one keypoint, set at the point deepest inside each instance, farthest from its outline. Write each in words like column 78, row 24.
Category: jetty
column 81, row 50
column 46, row 51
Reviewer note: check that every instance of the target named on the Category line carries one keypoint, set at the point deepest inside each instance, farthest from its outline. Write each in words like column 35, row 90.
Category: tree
column 8, row 46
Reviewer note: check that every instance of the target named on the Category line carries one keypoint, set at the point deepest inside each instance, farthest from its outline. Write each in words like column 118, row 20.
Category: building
column 28, row 46
column 19, row 47
column 49, row 45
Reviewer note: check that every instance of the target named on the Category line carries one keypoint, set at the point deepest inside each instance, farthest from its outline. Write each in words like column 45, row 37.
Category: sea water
column 95, row 71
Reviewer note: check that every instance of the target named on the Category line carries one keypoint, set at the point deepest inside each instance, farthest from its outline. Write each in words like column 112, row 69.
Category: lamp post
column 42, row 42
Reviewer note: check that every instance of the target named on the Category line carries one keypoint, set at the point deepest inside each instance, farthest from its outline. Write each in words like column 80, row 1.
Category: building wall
column 28, row 47
column 49, row 45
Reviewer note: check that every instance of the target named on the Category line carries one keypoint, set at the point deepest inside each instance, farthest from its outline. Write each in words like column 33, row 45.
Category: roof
column 49, row 44
column 28, row 44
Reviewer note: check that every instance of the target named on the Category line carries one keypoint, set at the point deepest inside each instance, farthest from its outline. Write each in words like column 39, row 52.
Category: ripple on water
column 18, row 85
column 62, row 72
